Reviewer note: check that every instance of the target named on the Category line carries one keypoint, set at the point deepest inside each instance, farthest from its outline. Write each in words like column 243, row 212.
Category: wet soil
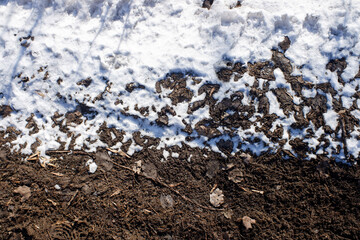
column 142, row 197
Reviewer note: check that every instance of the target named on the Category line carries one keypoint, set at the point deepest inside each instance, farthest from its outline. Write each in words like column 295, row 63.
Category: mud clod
column 85, row 82
column 207, row 4
column 5, row 110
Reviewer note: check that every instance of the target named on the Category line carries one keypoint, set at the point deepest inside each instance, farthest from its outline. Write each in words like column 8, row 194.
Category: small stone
column 166, row 201
column 2, row 155
column 149, row 170
column 57, row 187
column 104, row 160
column 247, row 221
column 228, row 214
column 5, row 110
column 137, row 167
column 212, row 169
column 207, row 4
column 86, row 189
column 285, row 44
column 236, row 176
column 24, row 191
column 217, row 198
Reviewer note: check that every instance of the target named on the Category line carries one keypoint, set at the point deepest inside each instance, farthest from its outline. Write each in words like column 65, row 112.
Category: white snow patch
column 92, row 166
column 166, row 154
column 175, row 155
column 274, row 105
column 331, row 118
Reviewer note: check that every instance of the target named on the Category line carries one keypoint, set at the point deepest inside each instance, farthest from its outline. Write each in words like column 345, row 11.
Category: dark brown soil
column 288, row 199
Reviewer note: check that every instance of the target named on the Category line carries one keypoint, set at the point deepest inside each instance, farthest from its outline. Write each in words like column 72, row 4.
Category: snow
column 175, row 155
column 92, row 166
column 124, row 41
column 166, row 154
column 274, row 105
column 331, row 119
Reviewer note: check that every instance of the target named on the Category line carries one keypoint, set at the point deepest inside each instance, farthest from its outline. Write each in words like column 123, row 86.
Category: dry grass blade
column 212, row 91
column 73, row 197
column 52, row 202
column 120, row 152
column 175, row 184
column 42, row 160
column 288, row 153
column 213, row 189
column 38, row 92
column 257, row 191
column 34, row 157
column 57, row 174
column 245, row 189
column 47, row 162
column 117, row 192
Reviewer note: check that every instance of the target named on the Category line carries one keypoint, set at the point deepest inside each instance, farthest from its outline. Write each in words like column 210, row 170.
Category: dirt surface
column 141, row 197
column 192, row 193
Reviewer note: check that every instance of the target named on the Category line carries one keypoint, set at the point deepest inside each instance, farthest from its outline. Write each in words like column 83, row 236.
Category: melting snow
column 125, row 41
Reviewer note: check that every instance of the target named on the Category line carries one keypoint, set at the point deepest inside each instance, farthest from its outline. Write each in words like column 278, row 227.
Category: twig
column 175, row 184
column 47, row 231
column 73, row 197
column 52, row 202
column 57, row 151
column 57, row 174
column 213, row 189
column 257, row 191
column 288, row 153
column 80, row 152
column 244, row 189
column 167, row 186
column 152, row 208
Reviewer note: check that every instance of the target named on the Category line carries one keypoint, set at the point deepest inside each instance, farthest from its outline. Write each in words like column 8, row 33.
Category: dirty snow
column 124, row 41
